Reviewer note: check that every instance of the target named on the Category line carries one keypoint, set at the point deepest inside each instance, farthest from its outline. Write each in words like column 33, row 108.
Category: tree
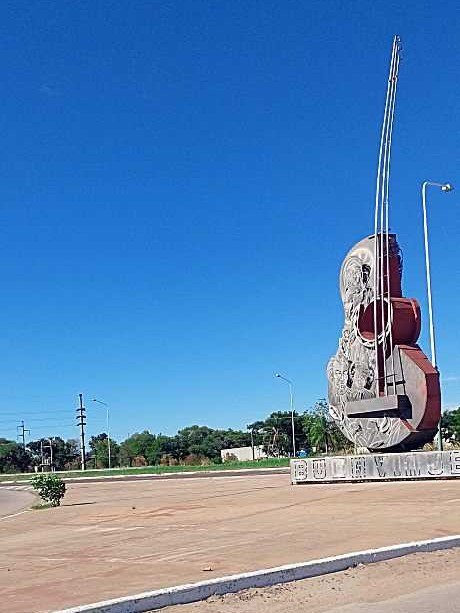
column 140, row 444
column 276, row 433
column 13, row 457
column 64, row 453
column 163, row 446
column 321, row 431
column 199, row 441
column 234, row 438
column 316, row 425
column 99, row 446
column 450, row 425
column 73, row 456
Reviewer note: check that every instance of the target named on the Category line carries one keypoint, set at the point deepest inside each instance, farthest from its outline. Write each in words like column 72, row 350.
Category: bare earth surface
column 420, row 583
column 116, row 539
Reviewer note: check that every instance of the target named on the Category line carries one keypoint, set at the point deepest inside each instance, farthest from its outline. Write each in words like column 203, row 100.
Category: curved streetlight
column 289, row 382
column 108, row 428
column 445, row 187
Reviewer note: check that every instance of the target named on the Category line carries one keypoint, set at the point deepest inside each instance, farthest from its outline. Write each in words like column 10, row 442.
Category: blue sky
column 180, row 183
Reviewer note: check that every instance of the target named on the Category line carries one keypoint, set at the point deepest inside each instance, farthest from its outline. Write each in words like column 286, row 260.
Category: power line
column 28, row 414
column 31, row 421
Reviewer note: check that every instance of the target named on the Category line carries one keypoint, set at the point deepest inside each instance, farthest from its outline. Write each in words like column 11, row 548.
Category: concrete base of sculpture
column 377, row 467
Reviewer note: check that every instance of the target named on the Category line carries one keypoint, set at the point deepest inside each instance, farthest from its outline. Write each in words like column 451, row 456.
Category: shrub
column 230, row 457
column 138, row 461
column 50, row 488
column 196, row 459
column 168, row 460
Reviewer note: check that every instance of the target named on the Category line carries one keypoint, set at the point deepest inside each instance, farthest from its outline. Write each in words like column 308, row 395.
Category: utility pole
column 81, row 417
column 22, row 433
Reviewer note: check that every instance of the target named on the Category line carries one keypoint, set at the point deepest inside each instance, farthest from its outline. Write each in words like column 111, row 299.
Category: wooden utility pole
column 81, row 417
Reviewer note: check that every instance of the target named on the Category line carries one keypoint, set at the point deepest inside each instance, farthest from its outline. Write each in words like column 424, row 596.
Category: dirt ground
column 115, row 539
column 424, row 582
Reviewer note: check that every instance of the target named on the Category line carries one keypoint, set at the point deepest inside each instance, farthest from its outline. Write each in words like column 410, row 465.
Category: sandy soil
column 422, row 583
column 116, row 539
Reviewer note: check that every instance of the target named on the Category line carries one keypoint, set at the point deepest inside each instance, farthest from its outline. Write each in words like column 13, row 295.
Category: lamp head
column 447, row 187
column 277, row 374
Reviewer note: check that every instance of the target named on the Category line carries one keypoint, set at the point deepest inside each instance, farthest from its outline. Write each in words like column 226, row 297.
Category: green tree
column 140, row 444
column 199, row 441
column 99, row 446
column 450, row 425
column 196, row 443
column 321, row 431
column 64, row 452
column 13, row 457
column 162, row 446
column 233, row 438
column 275, row 433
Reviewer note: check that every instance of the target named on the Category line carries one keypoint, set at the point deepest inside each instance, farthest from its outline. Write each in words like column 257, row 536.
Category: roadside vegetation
column 192, row 448
column 51, row 489
column 155, row 470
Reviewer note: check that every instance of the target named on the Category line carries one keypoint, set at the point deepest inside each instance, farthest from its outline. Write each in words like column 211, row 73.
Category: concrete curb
column 183, row 594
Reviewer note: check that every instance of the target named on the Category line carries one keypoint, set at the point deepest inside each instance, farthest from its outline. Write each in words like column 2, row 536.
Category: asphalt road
column 418, row 583
column 445, row 598
column 14, row 500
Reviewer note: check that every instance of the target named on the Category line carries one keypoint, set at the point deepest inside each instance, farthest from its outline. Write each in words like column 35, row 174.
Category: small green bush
column 50, row 488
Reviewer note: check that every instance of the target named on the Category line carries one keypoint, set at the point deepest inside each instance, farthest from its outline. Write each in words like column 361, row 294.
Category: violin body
column 384, row 393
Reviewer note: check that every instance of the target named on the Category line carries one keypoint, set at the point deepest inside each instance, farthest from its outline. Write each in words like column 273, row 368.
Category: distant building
column 242, row 454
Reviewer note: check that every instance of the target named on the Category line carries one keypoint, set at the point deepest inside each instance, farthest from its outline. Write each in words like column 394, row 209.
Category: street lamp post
column 108, row 428
column 289, row 382
column 445, row 187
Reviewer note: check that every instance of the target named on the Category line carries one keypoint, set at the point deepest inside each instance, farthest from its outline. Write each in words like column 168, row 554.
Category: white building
column 243, row 454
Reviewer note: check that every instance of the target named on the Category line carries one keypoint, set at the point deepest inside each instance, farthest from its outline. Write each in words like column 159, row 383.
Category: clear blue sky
column 180, row 182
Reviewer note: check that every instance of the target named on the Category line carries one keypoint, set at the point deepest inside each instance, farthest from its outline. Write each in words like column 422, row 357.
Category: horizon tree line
column 196, row 444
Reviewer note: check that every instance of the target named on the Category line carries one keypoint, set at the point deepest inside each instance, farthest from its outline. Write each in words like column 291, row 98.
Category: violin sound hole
column 366, row 327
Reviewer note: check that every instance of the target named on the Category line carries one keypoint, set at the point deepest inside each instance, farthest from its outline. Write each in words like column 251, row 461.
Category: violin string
column 381, row 262
column 381, row 259
column 376, row 245
column 384, row 253
column 387, row 228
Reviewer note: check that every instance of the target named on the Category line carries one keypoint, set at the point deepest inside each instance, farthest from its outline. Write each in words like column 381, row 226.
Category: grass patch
column 157, row 470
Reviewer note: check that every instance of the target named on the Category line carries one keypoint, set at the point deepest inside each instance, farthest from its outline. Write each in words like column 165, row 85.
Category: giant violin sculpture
column 384, row 393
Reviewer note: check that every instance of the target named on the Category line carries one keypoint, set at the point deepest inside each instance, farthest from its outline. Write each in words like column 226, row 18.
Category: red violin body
column 384, row 393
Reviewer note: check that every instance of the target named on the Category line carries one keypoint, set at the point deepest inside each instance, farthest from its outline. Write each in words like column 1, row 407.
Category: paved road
column 116, row 539
column 435, row 599
column 14, row 500
column 419, row 583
